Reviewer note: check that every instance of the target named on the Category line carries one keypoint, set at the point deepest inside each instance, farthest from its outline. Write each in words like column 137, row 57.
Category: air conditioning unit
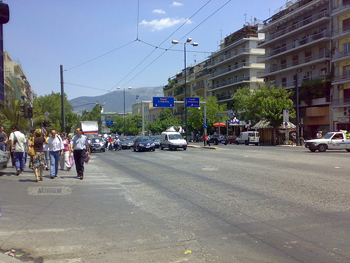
column 346, row 111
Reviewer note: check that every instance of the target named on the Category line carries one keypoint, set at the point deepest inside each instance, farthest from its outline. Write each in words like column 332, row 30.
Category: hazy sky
column 107, row 44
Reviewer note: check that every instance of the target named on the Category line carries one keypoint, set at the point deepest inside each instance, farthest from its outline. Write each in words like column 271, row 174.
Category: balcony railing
column 345, row 54
column 197, row 87
column 341, row 31
column 341, row 7
column 202, row 73
column 223, row 97
column 236, row 67
column 341, row 102
column 294, row 27
column 296, row 44
column 342, row 78
column 297, row 62
column 227, row 82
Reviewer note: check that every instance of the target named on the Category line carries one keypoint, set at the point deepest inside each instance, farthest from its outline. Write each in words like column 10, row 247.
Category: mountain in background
column 114, row 101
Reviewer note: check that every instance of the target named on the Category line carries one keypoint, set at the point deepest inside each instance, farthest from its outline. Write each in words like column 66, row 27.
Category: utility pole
column 63, row 113
column 4, row 18
column 297, row 106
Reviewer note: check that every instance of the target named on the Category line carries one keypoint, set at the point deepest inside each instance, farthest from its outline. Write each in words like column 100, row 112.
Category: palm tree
column 10, row 114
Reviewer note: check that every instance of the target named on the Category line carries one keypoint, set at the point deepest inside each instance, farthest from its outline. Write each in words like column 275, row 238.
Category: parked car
column 97, row 145
column 143, row 143
column 156, row 139
column 231, row 139
column 4, row 159
column 172, row 140
column 127, row 142
column 248, row 137
column 218, row 138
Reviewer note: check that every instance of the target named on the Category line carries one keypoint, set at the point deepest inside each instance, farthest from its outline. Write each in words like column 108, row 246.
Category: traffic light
column 30, row 112
column 45, row 124
column 24, row 110
column 4, row 13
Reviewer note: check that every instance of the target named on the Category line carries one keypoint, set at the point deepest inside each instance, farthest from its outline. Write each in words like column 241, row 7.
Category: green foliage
column 195, row 116
column 264, row 103
column 10, row 116
column 52, row 104
column 162, row 122
column 314, row 89
column 133, row 124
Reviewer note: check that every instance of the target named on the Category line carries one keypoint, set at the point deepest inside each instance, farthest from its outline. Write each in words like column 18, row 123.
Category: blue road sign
column 205, row 125
column 192, row 102
column 109, row 122
column 163, row 102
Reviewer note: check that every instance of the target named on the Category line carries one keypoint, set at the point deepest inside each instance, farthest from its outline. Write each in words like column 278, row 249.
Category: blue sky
column 107, row 44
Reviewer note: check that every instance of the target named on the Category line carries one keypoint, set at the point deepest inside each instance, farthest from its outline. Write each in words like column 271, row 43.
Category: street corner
column 193, row 146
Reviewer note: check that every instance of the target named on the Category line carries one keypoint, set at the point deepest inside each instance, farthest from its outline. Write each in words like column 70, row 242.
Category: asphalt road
column 235, row 204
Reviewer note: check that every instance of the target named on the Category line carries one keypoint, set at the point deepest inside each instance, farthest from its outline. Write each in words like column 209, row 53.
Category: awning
column 216, row 124
column 289, row 126
column 263, row 124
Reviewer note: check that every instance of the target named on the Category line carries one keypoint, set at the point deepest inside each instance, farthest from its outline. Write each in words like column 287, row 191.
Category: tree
column 195, row 117
column 162, row 121
column 264, row 103
column 10, row 115
column 52, row 104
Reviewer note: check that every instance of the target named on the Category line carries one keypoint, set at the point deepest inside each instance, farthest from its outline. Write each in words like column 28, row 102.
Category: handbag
column 86, row 157
column 71, row 161
column 31, row 151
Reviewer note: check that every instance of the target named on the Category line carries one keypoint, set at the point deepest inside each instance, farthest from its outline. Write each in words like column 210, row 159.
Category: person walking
column 38, row 161
column 64, row 158
column 3, row 139
column 17, row 142
column 80, row 147
column 55, row 150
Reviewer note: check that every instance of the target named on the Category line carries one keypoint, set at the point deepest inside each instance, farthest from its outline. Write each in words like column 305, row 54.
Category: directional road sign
column 163, row 102
column 192, row 102
column 109, row 122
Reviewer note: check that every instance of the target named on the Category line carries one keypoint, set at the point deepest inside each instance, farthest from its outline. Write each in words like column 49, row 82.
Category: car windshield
column 144, row 139
column 93, row 140
column 155, row 138
column 175, row 137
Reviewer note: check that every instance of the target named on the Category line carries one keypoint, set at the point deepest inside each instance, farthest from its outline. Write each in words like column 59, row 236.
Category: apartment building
column 340, row 107
column 16, row 84
column 299, row 48
column 236, row 64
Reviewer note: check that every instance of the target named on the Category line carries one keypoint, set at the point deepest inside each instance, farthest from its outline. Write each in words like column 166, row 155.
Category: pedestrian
column 38, row 161
column 80, row 147
column 3, row 139
column 208, row 140
column 55, row 150
column 46, row 149
column 319, row 135
column 204, row 138
column 17, row 142
column 64, row 158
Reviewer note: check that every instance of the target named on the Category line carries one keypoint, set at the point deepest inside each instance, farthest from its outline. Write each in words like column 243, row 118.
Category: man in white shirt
column 56, row 147
column 17, row 142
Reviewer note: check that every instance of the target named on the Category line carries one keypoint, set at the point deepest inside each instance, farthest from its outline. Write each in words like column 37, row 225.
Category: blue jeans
column 54, row 161
column 19, row 162
column 3, row 147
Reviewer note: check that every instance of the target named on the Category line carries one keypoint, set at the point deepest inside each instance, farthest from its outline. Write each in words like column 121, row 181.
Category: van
column 172, row 140
column 249, row 137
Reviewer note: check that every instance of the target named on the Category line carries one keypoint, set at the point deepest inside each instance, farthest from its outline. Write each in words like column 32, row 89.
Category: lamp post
column 124, row 108
column 188, row 42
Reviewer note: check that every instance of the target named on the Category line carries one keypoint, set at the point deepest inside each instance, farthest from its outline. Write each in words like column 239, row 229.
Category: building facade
column 16, row 85
column 236, row 64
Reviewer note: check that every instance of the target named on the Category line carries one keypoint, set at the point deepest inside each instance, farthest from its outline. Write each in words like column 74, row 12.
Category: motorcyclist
column 117, row 144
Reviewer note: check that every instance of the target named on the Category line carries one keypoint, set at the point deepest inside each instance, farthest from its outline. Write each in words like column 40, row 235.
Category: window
column 346, row 48
column 346, row 24
column 295, row 42
column 346, row 71
column 284, row 82
column 283, row 63
column 308, row 56
column 295, row 60
column 323, row 71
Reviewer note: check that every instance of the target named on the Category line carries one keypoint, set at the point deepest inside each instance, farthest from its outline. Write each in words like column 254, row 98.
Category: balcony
column 236, row 54
column 295, row 28
column 223, row 97
column 341, row 55
column 345, row 102
column 297, row 63
column 341, row 32
column 202, row 73
column 302, row 44
column 341, row 79
column 341, row 9
column 197, row 87
column 238, row 81
column 236, row 67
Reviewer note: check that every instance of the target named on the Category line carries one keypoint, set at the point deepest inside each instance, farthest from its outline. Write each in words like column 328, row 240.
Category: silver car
column 4, row 159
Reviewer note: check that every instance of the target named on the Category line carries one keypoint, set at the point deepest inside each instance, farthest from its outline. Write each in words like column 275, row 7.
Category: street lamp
column 188, row 42
column 124, row 108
